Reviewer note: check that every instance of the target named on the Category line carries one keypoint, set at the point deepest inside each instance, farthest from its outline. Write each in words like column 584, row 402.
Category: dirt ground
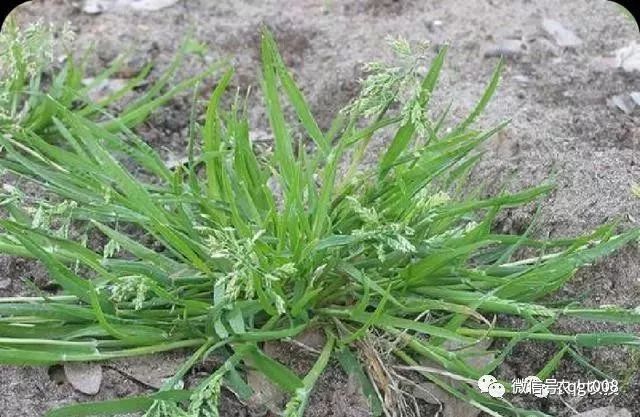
column 562, row 127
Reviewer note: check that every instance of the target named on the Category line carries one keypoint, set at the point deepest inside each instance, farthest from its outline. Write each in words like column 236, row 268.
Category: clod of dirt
column 265, row 394
column 152, row 371
column 96, row 6
column 522, row 79
column 100, row 6
column 561, row 35
column 508, row 48
column 604, row 63
column 5, row 283
column 628, row 57
column 150, row 5
column 313, row 339
column 606, row 412
column 351, row 401
column 85, row 377
column 450, row 405
column 625, row 102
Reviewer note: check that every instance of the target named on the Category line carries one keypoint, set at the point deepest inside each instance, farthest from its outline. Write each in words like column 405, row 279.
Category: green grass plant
column 31, row 94
column 234, row 249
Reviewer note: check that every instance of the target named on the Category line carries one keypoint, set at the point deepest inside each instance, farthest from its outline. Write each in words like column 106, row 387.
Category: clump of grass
column 240, row 249
column 31, row 93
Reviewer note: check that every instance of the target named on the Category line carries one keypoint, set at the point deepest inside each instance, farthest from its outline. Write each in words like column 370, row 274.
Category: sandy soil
column 556, row 97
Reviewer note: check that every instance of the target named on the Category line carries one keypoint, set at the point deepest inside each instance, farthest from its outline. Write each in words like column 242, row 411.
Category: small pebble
column 507, row 48
column 561, row 35
column 85, row 377
column 609, row 411
column 624, row 102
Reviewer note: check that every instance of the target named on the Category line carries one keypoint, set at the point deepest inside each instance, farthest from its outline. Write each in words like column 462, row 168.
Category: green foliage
column 31, row 94
column 234, row 249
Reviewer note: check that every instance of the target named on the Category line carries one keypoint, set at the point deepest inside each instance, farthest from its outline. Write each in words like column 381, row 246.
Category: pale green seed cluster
column 204, row 401
column 111, row 249
column 132, row 288
column 239, row 279
column 24, row 54
column 386, row 85
column 53, row 217
column 165, row 409
column 387, row 237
